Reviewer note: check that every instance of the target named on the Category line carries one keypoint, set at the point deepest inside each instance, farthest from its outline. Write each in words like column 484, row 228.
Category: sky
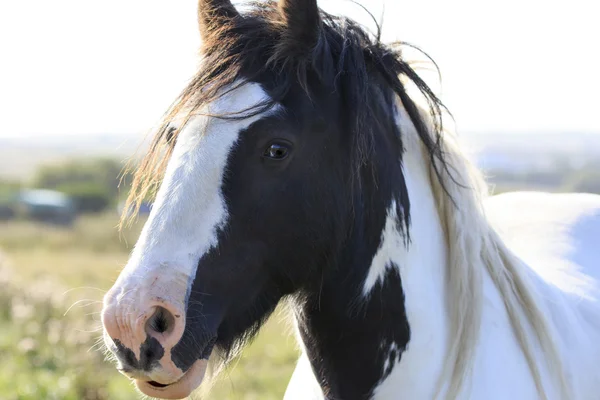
column 114, row 66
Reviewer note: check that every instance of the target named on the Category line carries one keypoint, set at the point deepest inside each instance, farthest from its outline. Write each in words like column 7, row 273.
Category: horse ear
column 213, row 15
column 302, row 22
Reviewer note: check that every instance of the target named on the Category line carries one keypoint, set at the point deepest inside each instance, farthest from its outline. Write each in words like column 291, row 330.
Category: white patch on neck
column 421, row 266
column 386, row 364
column 189, row 207
column 391, row 242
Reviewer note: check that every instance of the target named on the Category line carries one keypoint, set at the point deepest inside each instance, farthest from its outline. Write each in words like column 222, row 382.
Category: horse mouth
column 157, row 385
column 179, row 389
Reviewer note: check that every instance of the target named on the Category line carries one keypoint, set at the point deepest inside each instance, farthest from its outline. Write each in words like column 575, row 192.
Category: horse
column 307, row 162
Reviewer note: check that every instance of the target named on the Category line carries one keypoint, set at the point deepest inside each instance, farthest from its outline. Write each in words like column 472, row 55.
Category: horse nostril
column 162, row 321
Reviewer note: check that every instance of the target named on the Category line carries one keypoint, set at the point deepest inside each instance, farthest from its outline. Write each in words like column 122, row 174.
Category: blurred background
column 82, row 84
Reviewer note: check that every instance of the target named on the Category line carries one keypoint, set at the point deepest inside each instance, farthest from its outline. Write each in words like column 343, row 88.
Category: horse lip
column 179, row 389
column 158, row 385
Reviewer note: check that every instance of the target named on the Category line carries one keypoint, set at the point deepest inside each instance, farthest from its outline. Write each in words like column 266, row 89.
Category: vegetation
column 561, row 177
column 586, row 181
column 93, row 184
column 49, row 353
column 8, row 190
column 87, row 197
column 8, row 187
column 103, row 172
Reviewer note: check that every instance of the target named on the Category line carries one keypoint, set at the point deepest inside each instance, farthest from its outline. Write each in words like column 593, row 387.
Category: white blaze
column 189, row 207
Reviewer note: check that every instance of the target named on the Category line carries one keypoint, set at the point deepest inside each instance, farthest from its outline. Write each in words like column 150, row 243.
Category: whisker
column 92, row 331
column 84, row 287
column 96, row 347
column 80, row 301
column 93, row 313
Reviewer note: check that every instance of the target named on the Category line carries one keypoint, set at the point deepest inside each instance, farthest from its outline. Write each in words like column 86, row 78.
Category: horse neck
column 388, row 306
column 387, row 317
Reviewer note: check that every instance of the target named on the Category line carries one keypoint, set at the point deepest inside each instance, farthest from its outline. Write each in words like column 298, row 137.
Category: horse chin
column 179, row 389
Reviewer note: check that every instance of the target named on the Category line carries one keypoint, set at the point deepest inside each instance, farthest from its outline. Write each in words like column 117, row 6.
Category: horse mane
column 345, row 56
column 473, row 243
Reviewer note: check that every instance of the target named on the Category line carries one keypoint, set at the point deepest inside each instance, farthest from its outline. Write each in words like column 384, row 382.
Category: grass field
column 49, row 353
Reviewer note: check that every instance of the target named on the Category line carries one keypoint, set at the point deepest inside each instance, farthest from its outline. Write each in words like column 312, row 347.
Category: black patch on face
column 125, row 355
column 151, row 351
column 197, row 342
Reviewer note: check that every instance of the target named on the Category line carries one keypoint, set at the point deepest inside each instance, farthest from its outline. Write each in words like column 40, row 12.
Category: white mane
column 473, row 244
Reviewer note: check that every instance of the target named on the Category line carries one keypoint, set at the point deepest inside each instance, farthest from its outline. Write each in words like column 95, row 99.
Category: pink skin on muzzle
column 127, row 318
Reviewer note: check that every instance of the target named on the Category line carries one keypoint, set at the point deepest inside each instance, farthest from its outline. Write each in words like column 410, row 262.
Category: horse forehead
column 237, row 98
column 208, row 136
column 233, row 101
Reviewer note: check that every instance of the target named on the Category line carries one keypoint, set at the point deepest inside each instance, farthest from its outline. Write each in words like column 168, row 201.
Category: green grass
column 49, row 355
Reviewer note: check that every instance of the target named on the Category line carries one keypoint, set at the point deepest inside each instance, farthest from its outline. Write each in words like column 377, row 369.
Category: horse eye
column 276, row 151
